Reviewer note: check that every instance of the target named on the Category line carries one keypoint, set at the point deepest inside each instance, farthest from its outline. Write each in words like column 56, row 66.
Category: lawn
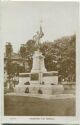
column 32, row 106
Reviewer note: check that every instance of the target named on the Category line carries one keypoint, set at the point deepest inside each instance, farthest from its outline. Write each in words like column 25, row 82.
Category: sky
column 21, row 20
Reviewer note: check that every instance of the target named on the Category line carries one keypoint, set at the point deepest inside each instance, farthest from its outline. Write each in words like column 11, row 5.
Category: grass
column 31, row 106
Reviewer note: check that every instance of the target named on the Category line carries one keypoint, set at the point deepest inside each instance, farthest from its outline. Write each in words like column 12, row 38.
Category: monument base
column 40, row 89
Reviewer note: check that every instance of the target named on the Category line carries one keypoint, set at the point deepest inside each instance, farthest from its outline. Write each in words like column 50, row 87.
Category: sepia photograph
column 39, row 58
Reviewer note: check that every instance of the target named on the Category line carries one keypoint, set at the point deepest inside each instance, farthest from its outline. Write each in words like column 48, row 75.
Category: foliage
column 67, row 60
column 59, row 55
column 9, row 50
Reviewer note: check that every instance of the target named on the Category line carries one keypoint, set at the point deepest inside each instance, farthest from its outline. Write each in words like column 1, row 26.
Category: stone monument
column 38, row 66
column 38, row 62
column 41, row 81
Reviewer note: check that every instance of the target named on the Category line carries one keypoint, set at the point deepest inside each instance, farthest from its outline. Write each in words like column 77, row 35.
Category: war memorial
column 37, row 92
column 39, row 59
column 39, row 80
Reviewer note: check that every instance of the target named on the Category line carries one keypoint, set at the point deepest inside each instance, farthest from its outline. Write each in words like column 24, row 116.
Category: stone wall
column 39, row 89
column 50, row 80
column 46, row 79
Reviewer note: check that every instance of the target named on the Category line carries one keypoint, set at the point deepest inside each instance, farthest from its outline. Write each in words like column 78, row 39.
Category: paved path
column 45, row 96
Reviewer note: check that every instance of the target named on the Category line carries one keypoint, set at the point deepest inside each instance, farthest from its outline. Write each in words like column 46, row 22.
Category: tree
column 59, row 55
column 9, row 50
column 23, row 51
